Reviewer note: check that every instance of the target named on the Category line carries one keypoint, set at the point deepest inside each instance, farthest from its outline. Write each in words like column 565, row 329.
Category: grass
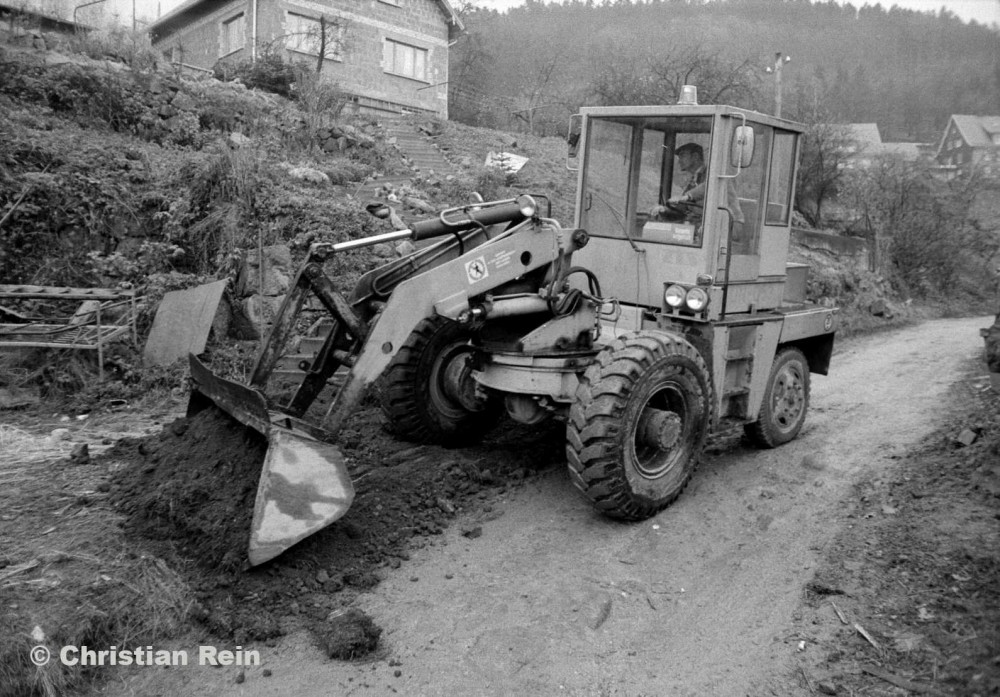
column 67, row 576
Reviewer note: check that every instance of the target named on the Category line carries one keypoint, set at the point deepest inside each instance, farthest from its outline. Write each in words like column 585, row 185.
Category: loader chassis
column 663, row 314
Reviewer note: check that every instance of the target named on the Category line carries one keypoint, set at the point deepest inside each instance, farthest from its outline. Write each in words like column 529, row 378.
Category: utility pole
column 779, row 60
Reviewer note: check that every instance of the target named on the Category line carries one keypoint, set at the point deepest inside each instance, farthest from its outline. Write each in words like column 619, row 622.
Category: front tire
column 786, row 401
column 427, row 393
column 638, row 424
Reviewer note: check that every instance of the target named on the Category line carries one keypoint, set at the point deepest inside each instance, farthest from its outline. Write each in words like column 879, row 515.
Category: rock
column 238, row 140
column 80, row 454
column 826, row 688
column 405, row 247
column 599, row 612
column 966, row 438
column 278, row 272
column 349, row 634
column 308, row 174
column 383, row 251
column 266, row 672
column 60, row 434
column 472, row 532
column 240, row 677
column 322, row 576
column 877, row 307
column 419, row 204
column 261, row 309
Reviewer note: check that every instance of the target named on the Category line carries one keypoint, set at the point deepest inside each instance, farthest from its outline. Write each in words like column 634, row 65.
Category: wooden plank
column 59, row 292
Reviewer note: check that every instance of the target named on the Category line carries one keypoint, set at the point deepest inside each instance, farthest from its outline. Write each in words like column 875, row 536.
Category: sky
column 983, row 11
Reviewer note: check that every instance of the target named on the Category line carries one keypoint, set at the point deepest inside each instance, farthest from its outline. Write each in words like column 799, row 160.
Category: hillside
column 905, row 70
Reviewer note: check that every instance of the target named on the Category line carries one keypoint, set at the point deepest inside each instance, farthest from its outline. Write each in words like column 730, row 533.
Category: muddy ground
column 729, row 591
column 482, row 572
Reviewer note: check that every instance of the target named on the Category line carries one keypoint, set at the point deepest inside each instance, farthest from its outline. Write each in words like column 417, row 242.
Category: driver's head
column 690, row 156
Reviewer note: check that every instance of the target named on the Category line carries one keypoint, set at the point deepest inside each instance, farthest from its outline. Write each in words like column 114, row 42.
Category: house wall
column 367, row 25
column 199, row 43
column 359, row 69
column 954, row 149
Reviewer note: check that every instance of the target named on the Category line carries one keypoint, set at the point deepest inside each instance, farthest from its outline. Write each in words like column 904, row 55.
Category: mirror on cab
column 741, row 150
column 573, row 141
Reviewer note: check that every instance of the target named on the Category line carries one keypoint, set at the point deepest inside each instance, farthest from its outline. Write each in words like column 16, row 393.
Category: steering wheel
column 681, row 208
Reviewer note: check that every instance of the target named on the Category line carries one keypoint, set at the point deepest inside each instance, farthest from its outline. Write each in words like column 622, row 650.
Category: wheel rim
column 788, row 397
column 452, row 391
column 660, row 432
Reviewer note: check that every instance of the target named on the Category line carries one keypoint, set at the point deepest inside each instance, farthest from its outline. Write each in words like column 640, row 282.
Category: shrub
column 270, row 72
column 130, row 47
column 918, row 226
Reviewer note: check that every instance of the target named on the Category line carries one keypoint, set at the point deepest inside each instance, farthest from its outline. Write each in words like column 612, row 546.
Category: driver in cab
column 691, row 160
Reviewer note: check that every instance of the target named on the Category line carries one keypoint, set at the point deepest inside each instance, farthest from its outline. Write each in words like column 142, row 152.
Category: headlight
column 696, row 299
column 674, row 296
column 527, row 205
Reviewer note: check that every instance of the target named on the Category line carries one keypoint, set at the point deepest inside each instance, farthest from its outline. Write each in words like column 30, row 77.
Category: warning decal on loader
column 476, row 270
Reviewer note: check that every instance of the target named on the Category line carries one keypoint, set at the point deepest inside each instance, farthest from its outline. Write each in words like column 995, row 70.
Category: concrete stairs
column 422, row 154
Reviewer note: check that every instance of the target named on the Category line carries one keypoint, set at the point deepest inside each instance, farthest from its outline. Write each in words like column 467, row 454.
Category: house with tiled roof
column 970, row 143
column 388, row 56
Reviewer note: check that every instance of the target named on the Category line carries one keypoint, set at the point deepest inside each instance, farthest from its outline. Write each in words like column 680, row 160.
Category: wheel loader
column 656, row 319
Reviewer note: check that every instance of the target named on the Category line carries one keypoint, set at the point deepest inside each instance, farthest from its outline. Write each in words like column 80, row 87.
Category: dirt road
column 554, row 599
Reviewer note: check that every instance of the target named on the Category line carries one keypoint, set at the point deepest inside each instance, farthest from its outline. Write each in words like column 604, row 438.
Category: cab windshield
column 645, row 178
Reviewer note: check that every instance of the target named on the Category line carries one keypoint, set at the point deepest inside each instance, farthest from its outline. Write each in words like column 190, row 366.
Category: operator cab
column 720, row 221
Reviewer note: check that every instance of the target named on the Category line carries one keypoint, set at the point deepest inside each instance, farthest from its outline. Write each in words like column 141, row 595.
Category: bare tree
column 823, row 164
column 649, row 77
column 919, row 226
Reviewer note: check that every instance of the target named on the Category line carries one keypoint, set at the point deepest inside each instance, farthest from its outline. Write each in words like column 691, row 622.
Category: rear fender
column 818, row 350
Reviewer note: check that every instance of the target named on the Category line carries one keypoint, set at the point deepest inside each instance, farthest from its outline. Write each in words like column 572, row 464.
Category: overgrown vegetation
column 923, row 230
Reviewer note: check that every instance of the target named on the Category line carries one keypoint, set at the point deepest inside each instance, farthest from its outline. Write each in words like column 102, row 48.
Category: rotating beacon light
column 688, row 96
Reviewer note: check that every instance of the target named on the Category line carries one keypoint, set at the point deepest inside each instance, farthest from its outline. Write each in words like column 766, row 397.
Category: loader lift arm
column 304, row 484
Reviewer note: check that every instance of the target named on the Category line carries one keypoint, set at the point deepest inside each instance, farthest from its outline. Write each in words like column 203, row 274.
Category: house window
column 403, row 59
column 233, row 34
column 305, row 34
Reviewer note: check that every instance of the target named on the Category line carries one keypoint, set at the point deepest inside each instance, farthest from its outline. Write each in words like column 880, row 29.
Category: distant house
column 905, row 151
column 389, row 56
column 862, row 143
column 970, row 143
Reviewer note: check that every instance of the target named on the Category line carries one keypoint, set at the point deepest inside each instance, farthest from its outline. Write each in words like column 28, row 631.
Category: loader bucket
column 304, row 483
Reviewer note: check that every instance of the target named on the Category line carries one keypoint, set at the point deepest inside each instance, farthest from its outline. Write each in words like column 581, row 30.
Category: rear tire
column 417, row 392
column 638, row 424
column 786, row 401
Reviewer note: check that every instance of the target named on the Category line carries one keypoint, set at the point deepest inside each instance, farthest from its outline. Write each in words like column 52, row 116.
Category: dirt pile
column 188, row 495
column 192, row 487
